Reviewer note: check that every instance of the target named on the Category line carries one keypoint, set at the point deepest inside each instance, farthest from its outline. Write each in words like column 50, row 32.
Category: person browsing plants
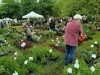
column 28, row 32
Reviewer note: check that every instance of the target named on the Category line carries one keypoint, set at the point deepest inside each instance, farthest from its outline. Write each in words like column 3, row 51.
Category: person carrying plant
column 72, row 30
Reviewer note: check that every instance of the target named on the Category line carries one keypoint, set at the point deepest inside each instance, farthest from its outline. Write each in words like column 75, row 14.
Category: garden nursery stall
column 45, row 55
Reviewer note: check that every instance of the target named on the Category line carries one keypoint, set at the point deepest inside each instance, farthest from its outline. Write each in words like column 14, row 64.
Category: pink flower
column 56, row 45
column 16, row 55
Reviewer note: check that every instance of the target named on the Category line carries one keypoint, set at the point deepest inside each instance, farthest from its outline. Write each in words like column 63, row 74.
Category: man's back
column 72, row 31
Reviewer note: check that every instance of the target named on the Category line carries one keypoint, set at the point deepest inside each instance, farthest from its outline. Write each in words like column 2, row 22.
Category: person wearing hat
column 72, row 30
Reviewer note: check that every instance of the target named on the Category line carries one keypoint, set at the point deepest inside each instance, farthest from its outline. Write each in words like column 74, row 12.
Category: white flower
column 15, row 53
column 23, row 44
column 69, row 70
column 93, row 55
column 58, row 42
column 30, row 26
column 5, row 41
column 57, row 38
column 76, row 65
column 8, row 44
column 95, row 42
column 92, row 46
column 76, row 61
column 92, row 69
column 40, row 35
column 50, row 50
column 15, row 58
column 39, row 38
column 63, row 36
column 26, row 61
column 21, row 40
column 30, row 58
column 52, row 40
column 37, row 0
column 15, row 73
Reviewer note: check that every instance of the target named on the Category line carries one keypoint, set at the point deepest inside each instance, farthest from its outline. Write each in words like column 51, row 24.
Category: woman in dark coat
column 52, row 24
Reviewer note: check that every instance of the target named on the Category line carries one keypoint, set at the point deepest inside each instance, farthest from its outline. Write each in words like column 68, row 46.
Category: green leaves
column 14, row 9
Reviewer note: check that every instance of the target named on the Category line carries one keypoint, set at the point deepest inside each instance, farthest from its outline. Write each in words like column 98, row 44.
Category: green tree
column 14, row 8
column 66, row 7
column 43, row 7
column 63, row 7
column 27, row 6
column 10, row 8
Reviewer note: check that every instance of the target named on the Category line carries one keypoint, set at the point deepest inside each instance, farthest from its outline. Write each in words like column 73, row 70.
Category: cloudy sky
column 0, row 1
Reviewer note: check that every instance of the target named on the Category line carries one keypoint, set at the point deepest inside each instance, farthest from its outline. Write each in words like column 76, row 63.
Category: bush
column 82, row 70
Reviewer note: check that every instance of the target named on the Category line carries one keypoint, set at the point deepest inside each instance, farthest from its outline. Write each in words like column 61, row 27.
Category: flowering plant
column 23, row 44
column 79, row 68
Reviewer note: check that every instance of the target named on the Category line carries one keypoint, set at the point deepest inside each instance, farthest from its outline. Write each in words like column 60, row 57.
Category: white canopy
column 7, row 19
column 32, row 14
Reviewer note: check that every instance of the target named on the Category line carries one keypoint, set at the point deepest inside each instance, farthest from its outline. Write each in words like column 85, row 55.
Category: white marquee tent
column 32, row 15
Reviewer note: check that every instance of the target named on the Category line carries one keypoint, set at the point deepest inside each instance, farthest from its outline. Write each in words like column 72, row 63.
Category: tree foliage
column 10, row 8
column 56, row 8
column 72, row 7
column 13, row 8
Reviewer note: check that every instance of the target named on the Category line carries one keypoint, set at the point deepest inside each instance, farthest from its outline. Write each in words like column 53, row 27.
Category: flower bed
column 46, row 55
column 22, row 44
column 79, row 67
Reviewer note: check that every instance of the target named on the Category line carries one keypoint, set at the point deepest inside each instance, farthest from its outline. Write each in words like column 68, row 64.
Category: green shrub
column 86, row 55
column 54, row 55
column 82, row 70
column 40, row 52
column 44, row 60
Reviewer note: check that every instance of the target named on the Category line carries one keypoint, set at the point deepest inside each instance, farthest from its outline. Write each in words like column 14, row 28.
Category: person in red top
column 72, row 31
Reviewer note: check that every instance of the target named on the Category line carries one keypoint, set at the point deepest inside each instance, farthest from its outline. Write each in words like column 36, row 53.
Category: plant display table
column 16, row 26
